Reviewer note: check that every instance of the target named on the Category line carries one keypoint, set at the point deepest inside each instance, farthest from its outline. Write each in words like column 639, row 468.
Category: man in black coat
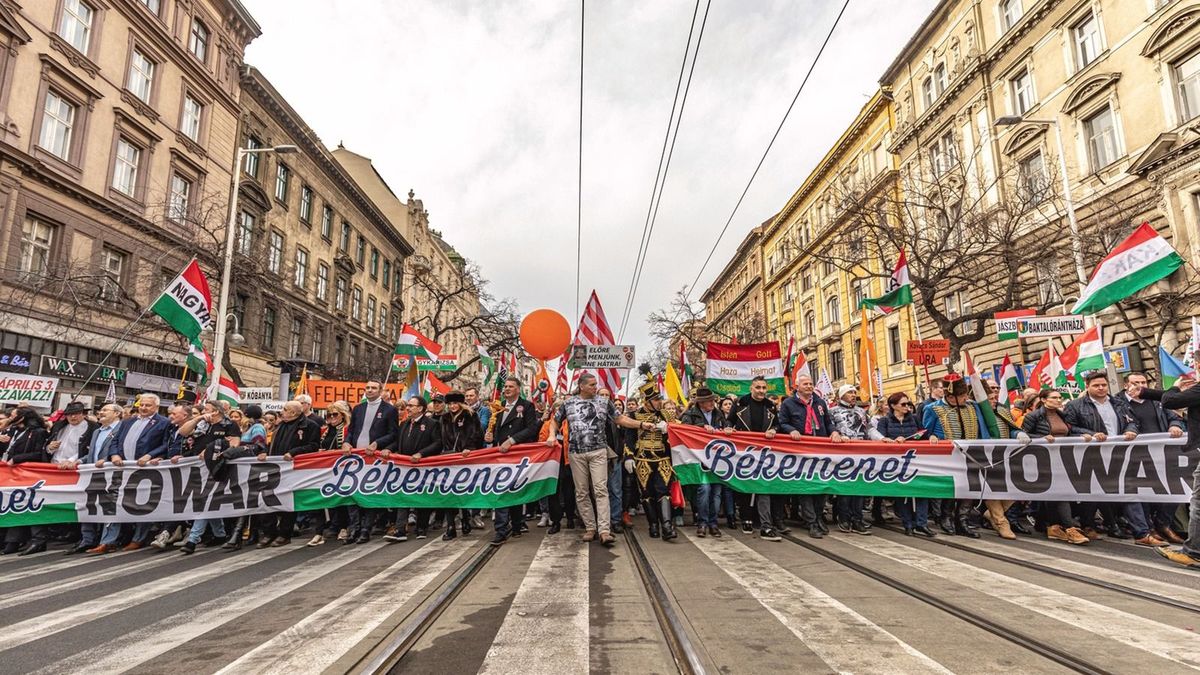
column 71, row 435
column 1096, row 415
column 294, row 435
column 372, row 427
column 519, row 422
column 703, row 412
column 418, row 436
column 755, row 412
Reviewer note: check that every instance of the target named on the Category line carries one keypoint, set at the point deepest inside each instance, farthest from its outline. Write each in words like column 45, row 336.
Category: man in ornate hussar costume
column 648, row 458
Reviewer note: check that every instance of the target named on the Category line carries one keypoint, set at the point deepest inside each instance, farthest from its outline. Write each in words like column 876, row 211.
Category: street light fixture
column 227, row 269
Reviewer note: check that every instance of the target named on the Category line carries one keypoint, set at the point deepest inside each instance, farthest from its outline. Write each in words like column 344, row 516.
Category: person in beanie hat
column 853, row 423
column 703, row 412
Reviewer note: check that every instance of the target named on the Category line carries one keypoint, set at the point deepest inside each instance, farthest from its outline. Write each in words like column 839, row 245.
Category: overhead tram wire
column 579, row 207
column 816, row 59
column 658, row 173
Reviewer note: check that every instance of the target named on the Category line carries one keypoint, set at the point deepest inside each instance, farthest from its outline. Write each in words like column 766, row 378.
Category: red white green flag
column 1142, row 259
column 899, row 290
column 186, row 303
column 225, row 389
column 1010, row 386
column 731, row 367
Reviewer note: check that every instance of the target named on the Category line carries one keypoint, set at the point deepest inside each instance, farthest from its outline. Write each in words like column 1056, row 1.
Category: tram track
column 683, row 652
column 1021, row 639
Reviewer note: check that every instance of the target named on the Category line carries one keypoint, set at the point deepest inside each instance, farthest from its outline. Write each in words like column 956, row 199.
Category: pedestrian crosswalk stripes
column 548, row 615
column 35, row 567
column 325, row 635
column 844, row 639
column 303, row 610
column 1157, row 638
column 1094, row 552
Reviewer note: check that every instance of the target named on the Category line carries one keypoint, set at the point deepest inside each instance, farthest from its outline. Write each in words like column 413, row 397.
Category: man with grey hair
column 306, row 405
column 141, row 439
column 108, row 417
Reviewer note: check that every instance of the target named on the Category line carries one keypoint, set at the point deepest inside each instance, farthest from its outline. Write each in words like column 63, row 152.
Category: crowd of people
column 615, row 462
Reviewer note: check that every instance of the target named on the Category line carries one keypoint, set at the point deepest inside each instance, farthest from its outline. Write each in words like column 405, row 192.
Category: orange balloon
column 545, row 334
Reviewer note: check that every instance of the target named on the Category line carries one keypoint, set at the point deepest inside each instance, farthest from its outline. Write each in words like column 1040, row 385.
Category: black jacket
column 422, row 435
column 793, row 412
column 27, row 445
column 382, row 428
column 695, row 417
column 1036, row 424
column 461, row 433
column 1083, row 418
column 891, row 427
column 297, row 437
column 1176, row 400
column 1167, row 418
column 85, row 441
column 522, row 424
column 741, row 415
column 331, row 437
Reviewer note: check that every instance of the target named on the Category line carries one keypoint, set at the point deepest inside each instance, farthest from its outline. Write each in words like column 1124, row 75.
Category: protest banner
column 324, row 392
column 38, row 494
column 38, row 392
column 1151, row 468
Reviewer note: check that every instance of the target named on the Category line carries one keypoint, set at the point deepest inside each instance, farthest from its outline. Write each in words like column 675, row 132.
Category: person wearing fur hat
column 703, row 412
column 461, row 432
column 954, row 418
column 648, row 459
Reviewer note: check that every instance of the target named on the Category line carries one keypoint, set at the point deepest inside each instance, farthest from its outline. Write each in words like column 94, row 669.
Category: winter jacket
column 741, row 417
column 890, row 427
column 462, row 432
column 27, row 445
column 793, row 414
column 418, row 435
column 1083, row 417
column 851, row 422
column 1037, row 424
column 297, row 437
column 695, row 417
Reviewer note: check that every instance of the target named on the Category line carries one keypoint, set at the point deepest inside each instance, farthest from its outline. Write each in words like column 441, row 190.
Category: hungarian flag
column 1142, row 259
column 501, row 376
column 685, row 370
column 731, row 367
column 198, row 361
column 1172, row 368
column 226, row 390
column 1010, row 386
column 1085, row 353
column 800, row 369
column 979, row 393
column 186, row 303
column 487, row 362
column 432, row 385
column 899, row 290
column 1046, row 372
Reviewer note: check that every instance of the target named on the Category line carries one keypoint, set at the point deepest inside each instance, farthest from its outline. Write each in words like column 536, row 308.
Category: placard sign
column 602, row 356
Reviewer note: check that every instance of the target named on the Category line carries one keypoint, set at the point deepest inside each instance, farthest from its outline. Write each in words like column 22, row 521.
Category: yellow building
column 815, row 299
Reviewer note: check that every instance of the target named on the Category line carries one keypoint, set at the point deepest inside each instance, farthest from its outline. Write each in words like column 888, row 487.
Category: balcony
column 806, row 343
column 830, row 332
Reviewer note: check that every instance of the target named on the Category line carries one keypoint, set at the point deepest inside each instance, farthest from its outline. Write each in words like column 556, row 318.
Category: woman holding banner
column 1046, row 420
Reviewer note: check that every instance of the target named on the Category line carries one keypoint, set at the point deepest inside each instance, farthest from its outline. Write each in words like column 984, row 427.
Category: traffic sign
column 602, row 356
column 1049, row 326
column 928, row 352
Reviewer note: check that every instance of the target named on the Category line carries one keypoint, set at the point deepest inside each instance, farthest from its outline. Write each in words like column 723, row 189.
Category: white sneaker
column 477, row 522
column 343, row 534
column 317, row 540
column 544, row 520
column 412, row 518
column 161, row 541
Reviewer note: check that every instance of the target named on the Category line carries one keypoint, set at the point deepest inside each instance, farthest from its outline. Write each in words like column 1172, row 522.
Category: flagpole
column 120, row 341
column 916, row 322
column 182, row 381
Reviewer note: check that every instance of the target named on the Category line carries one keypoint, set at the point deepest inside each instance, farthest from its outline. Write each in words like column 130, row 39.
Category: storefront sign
column 14, row 361
column 81, row 370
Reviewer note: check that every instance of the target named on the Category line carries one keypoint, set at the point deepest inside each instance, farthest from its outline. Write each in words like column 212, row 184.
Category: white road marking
column 844, row 639
column 1157, row 638
column 1153, row 563
column 546, row 627
column 72, row 561
column 162, row 636
column 321, row 638
column 48, row 624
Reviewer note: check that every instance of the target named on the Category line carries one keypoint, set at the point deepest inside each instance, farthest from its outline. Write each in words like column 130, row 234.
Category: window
column 927, row 94
column 353, row 360
column 327, row 223
column 806, row 282
column 268, row 334
column 387, row 274
column 300, row 278
column 75, row 26
column 827, row 268
column 141, row 75
column 1032, row 184
column 240, row 301
column 1010, row 13
column 246, row 234
column 833, row 312
column 177, row 200
column 1021, row 90
column 360, row 253
column 282, row 176
column 895, row 353
column 322, row 282
column 1049, row 281
column 371, row 312
column 58, row 120
column 339, row 347
column 374, row 263
column 112, row 265
column 193, row 111
column 125, row 171
column 318, row 343
column 383, row 318
column 198, row 41
column 294, row 339
column 306, row 205
column 860, row 287
column 958, row 304
column 1101, row 136
column 36, row 240
column 152, row 5
column 1086, row 37
column 356, row 304
column 274, row 252
column 810, row 323
column 397, row 282
column 943, row 154
column 339, row 296
column 837, row 368
column 880, row 162
column 251, row 168
column 1187, row 82
column 939, row 78
column 344, row 242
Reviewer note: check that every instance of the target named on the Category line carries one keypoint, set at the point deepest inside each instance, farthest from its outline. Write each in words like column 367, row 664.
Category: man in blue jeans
column 616, row 476
column 703, row 412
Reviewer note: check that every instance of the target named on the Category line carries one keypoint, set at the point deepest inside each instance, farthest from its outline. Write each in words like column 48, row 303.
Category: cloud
column 475, row 106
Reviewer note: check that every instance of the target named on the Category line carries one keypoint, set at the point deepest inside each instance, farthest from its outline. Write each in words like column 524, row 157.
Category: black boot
column 964, row 529
column 651, row 519
column 668, row 525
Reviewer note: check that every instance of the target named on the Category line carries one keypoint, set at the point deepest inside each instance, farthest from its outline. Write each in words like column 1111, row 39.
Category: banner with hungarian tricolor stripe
column 39, row 494
column 731, row 367
column 1153, row 468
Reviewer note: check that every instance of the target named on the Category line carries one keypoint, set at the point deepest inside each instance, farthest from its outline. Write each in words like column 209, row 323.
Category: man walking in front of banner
column 372, row 427
column 517, row 423
column 755, row 412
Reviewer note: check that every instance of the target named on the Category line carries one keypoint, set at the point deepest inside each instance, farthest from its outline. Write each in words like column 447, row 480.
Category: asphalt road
column 552, row 604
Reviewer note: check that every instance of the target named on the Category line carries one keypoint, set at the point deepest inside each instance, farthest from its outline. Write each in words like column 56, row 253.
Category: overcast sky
column 474, row 105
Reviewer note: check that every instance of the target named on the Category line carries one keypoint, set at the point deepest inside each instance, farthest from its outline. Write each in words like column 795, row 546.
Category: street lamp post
column 227, row 262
